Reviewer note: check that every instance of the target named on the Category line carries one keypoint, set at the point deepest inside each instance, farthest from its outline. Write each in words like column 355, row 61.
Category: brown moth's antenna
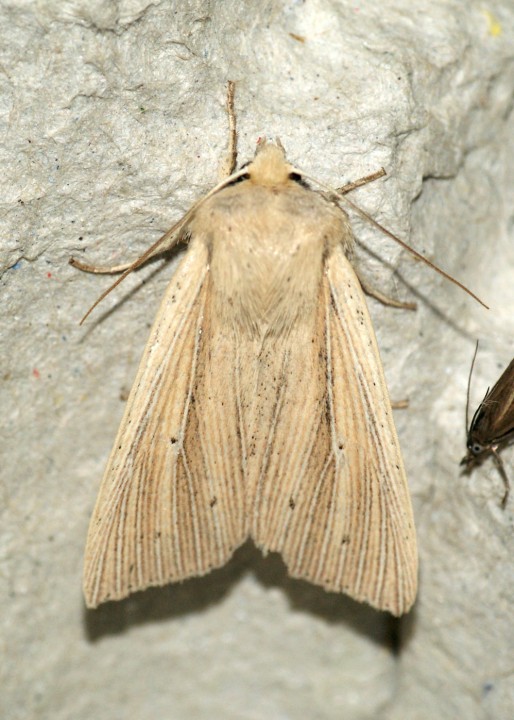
column 339, row 196
column 469, row 386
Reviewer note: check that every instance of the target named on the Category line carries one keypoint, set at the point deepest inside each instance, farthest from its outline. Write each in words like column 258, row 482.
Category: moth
column 260, row 408
column 492, row 425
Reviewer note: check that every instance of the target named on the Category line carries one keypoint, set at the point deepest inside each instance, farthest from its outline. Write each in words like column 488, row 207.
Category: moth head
column 475, row 453
column 269, row 166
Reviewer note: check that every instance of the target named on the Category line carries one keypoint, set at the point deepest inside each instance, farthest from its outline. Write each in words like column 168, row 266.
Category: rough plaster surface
column 113, row 123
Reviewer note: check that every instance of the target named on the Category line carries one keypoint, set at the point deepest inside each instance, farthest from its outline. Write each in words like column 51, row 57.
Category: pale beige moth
column 259, row 410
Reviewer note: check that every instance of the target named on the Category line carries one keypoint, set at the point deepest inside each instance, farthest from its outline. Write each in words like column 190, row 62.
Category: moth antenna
column 469, row 386
column 339, row 196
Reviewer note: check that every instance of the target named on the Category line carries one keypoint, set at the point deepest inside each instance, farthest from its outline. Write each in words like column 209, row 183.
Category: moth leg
column 228, row 165
column 164, row 243
column 400, row 404
column 501, row 469
column 362, row 181
column 384, row 299
column 99, row 269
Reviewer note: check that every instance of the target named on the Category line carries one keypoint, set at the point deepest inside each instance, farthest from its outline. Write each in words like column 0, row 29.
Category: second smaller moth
column 492, row 425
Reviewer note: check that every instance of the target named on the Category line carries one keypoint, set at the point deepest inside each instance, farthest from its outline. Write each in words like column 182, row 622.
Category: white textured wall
column 112, row 123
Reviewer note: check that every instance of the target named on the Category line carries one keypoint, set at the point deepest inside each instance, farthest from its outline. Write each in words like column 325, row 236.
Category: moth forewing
column 157, row 516
column 333, row 497
column 493, row 422
column 387, row 556
column 259, row 410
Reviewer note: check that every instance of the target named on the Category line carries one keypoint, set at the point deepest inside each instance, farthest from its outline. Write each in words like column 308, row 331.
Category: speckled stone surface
column 112, row 123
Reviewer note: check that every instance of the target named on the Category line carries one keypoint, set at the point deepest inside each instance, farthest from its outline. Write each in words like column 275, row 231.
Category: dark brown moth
column 492, row 426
